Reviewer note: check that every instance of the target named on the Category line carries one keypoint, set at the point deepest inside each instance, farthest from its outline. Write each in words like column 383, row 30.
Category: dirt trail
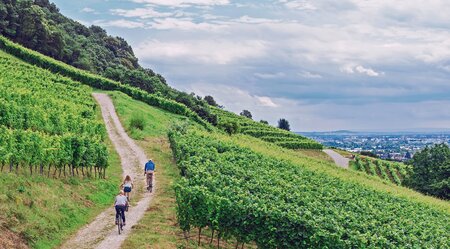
column 102, row 233
column 338, row 158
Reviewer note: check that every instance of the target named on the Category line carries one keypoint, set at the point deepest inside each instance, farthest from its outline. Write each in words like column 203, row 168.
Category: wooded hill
column 38, row 25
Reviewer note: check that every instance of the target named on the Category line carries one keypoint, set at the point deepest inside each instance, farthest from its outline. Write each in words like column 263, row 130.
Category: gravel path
column 338, row 158
column 102, row 233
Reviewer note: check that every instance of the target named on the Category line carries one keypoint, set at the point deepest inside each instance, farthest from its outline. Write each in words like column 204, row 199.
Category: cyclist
column 149, row 169
column 127, row 185
column 120, row 204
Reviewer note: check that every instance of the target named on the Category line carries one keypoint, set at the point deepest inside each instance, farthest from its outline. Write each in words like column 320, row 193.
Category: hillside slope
column 52, row 144
column 301, row 190
column 38, row 25
column 249, row 194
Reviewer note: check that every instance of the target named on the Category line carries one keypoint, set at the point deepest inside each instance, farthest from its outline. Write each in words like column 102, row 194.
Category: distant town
column 391, row 146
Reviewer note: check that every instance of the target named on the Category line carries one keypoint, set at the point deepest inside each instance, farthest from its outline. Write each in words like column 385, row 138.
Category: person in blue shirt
column 149, row 170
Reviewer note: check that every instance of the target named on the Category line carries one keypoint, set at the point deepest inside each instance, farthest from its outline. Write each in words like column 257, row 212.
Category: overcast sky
column 322, row 64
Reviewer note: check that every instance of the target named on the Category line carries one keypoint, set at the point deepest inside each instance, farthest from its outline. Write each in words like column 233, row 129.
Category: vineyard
column 253, row 198
column 48, row 123
column 389, row 171
column 265, row 132
column 96, row 81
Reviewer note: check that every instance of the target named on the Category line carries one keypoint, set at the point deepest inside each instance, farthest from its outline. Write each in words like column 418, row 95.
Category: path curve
column 102, row 233
column 337, row 158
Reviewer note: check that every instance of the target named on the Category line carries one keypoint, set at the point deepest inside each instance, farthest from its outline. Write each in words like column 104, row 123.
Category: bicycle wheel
column 119, row 224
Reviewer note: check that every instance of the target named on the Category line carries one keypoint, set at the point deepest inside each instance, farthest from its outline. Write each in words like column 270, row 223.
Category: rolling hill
column 248, row 187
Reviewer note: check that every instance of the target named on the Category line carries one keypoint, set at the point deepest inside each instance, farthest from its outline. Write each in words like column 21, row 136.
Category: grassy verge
column 344, row 153
column 44, row 211
column 317, row 154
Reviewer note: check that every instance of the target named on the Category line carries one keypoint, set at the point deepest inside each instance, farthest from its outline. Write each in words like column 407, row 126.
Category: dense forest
column 38, row 25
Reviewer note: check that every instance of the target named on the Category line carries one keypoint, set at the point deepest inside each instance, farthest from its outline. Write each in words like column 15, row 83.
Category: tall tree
column 246, row 113
column 431, row 171
column 210, row 100
column 284, row 124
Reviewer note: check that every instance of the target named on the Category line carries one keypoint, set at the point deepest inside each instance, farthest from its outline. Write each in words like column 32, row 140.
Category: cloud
column 87, row 10
column 121, row 23
column 253, row 20
column 266, row 101
column 185, row 24
column 203, row 51
column 350, row 69
column 310, row 58
column 269, row 75
column 184, row 3
column 304, row 116
column 148, row 12
column 298, row 4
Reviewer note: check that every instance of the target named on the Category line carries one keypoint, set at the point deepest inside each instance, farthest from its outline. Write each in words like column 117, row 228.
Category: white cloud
column 184, row 3
column 402, row 50
column 298, row 4
column 253, row 20
column 368, row 71
column 140, row 12
column 269, row 75
column 87, row 10
column 350, row 69
column 121, row 23
column 203, row 51
column 236, row 99
column 266, row 101
column 186, row 24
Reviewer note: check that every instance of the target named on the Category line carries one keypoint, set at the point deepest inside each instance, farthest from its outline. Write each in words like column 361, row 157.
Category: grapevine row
column 96, row 81
column 257, row 199
column 267, row 133
column 390, row 171
column 48, row 122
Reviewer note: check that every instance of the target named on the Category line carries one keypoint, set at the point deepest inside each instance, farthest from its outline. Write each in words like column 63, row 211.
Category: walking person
column 127, row 186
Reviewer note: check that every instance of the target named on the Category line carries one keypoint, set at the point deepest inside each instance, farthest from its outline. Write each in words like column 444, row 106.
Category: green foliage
column 137, row 121
column 277, row 204
column 431, row 171
column 369, row 154
column 210, row 100
column 386, row 170
column 246, row 113
column 47, row 120
column 284, row 124
column 229, row 127
column 264, row 122
column 96, row 81
column 266, row 132
column 38, row 25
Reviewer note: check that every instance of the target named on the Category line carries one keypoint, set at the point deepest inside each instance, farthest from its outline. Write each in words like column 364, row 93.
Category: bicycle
column 119, row 222
column 149, row 181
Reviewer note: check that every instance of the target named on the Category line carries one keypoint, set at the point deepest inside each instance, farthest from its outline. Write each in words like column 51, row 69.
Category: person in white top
column 120, row 204
column 127, row 186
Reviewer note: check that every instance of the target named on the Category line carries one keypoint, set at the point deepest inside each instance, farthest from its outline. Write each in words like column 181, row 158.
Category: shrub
column 137, row 121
